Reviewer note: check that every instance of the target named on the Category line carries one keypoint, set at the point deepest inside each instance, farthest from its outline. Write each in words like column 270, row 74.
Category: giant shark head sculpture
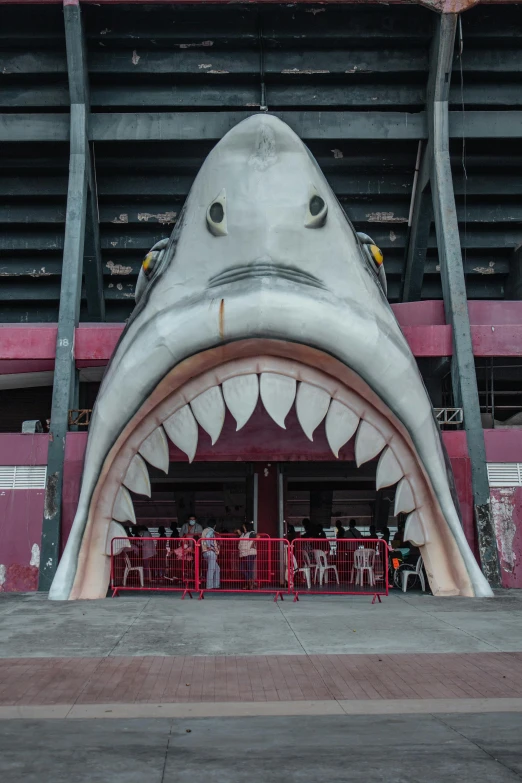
column 264, row 288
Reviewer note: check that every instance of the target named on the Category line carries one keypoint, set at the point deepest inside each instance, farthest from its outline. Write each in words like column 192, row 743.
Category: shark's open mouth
column 305, row 322
column 340, row 401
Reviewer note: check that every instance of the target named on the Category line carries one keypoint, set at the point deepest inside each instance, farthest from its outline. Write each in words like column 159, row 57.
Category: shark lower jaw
column 325, row 392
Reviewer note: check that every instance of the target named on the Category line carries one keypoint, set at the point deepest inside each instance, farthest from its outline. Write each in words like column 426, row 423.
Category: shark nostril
column 316, row 205
column 217, row 216
column 317, row 210
column 217, row 212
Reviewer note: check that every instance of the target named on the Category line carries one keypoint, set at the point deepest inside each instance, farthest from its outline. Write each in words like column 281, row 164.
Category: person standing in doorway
column 247, row 554
column 210, row 549
column 192, row 527
column 148, row 552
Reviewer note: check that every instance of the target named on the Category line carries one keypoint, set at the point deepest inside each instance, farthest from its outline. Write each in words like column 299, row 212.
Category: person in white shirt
column 148, row 552
column 247, row 554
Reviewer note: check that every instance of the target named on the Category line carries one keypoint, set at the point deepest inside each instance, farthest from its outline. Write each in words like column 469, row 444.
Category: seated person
column 398, row 540
column 352, row 531
column 339, row 529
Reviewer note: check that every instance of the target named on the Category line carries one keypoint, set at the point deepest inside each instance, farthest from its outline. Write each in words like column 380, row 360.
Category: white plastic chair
column 305, row 570
column 129, row 567
column 417, row 571
column 308, row 564
column 363, row 561
column 322, row 567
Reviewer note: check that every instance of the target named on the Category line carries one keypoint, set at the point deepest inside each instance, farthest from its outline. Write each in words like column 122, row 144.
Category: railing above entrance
column 451, row 418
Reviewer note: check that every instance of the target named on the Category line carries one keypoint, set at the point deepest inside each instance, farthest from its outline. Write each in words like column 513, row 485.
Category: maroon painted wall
column 21, row 513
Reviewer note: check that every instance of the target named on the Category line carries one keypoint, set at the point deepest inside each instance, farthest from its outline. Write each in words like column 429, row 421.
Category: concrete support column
column 65, row 387
column 454, row 288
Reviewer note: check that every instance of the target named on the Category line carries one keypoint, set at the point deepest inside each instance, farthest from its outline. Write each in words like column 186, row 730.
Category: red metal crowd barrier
column 258, row 564
column 154, row 564
column 339, row 566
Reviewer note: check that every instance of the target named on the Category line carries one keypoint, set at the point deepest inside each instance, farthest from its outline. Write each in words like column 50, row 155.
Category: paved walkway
column 237, row 689
column 138, row 656
column 182, row 679
column 308, row 749
column 164, row 625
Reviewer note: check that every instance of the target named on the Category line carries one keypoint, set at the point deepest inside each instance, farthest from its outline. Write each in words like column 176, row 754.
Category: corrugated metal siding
column 173, row 58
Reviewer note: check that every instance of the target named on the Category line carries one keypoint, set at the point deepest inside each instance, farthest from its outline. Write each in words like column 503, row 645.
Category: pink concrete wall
column 21, row 513
column 496, row 330
column 503, row 445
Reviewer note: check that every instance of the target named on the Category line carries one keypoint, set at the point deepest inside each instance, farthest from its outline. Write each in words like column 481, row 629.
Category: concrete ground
column 30, row 625
column 363, row 749
column 155, row 689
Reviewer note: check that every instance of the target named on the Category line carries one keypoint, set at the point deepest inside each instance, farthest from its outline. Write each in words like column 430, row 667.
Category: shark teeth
column 182, row 429
column 311, row 406
column 241, row 395
column 404, row 500
column 155, row 449
column 368, row 443
column 414, row 530
column 341, row 423
column 209, row 410
column 278, row 392
column 278, row 395
column 137, row 476
column 388, row 469
column 123, row 510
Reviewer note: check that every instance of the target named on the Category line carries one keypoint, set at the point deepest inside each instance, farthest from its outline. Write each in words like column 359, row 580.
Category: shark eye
column 149, row 262
column 217, row 216
column 316, row 212
column 375, row 258
column 148, row 265
column 376, row 253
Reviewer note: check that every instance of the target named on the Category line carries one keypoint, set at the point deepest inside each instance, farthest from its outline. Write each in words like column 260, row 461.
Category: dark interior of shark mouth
column 264, row 291
column 324, row 392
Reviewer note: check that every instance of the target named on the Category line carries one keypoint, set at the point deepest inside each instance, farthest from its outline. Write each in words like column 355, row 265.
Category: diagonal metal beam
column 79, row 92
column 421, row 216
column 92, row 260
column 454, row 292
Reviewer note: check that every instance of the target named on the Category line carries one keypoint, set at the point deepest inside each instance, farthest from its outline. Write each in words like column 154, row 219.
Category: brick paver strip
column 180, row 679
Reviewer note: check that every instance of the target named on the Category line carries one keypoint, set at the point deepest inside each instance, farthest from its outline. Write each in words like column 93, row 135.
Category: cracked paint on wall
column 506, row 504
column 35, row 556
